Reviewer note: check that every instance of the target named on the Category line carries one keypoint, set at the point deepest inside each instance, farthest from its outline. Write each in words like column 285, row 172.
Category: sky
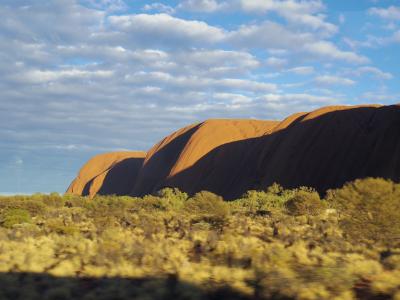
column 82, row 77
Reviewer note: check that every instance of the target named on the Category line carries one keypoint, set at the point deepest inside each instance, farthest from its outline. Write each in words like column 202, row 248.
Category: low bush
column 305, row 202
column 172, row 198
column 370, row 210
column 59, row 227
column 13, row 216
column 208, row 206
column 263, row 202
column 33, row 204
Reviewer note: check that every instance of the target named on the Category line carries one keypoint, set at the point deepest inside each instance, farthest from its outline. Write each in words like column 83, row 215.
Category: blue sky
column 79, row 78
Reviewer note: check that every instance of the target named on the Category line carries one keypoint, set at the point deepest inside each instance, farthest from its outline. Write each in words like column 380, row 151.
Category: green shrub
column 259, row 202
column 35, row 207
column 33, row 204
column 59, row 227
column 108, row 205
column 102, row 223
column 208, row 205
column 14, row 216
column 53, row 200
column 172, row 198
column 305, row 202
column 71, row 200
column 148, row 203
column 370, row 209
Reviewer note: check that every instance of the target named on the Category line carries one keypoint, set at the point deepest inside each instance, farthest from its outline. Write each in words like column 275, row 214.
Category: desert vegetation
column 270, row 244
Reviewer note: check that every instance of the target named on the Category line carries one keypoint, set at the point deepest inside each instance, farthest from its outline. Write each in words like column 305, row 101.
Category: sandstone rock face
column 322, row 149
column 109, row 173
column 328, row 147
column 181, row 151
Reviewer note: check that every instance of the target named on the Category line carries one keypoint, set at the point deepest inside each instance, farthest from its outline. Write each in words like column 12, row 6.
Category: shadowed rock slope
column 328, row 147
column 108, row 173
column 321, row 149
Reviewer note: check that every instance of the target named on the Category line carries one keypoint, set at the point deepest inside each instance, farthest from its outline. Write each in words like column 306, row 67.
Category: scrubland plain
column 269, row 244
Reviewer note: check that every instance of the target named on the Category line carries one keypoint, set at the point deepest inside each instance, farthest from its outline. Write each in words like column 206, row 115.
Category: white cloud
column 269, row 35
column 221, row 58
column 380, row 97
column 199, row 83
column 149, row 56
column 353, row 44
column 333, row 80
column 39, row 76
column 329, row 50
column 68, row 147
column 304, row 13
column 374, row 41
column 274, row 36
column 313, row 22
column 373, row 71
column 200, row 61
column 396, row 37
column 233, row 98
column 273, row 103
column 276, row 62
column 393, row 39
column 202, row 5
column 189, row 108
column 159, row 7
column 288, row 5
column 48, row 22
column 165, row 29
column 391, row 13
column 304, row 70
column 243, row 84
column 278, row 52
column 108, row 5
column 295, row 12
column 298, row 98
column 300, row 101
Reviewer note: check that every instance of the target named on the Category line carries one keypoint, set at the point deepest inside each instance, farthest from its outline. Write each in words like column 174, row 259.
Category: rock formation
column 106, row 174
column 181, row 151
column 322, row 149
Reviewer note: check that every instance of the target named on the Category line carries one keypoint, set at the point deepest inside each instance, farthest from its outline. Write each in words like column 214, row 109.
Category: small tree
column 370, row 209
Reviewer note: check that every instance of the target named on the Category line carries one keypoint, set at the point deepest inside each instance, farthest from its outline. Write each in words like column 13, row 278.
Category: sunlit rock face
column 194, row 157
column 108, row 174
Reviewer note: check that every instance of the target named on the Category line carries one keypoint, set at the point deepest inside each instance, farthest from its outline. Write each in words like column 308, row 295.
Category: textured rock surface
column 109, row 173
column 321, row 149
column 330, row 146
column 181, row 151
